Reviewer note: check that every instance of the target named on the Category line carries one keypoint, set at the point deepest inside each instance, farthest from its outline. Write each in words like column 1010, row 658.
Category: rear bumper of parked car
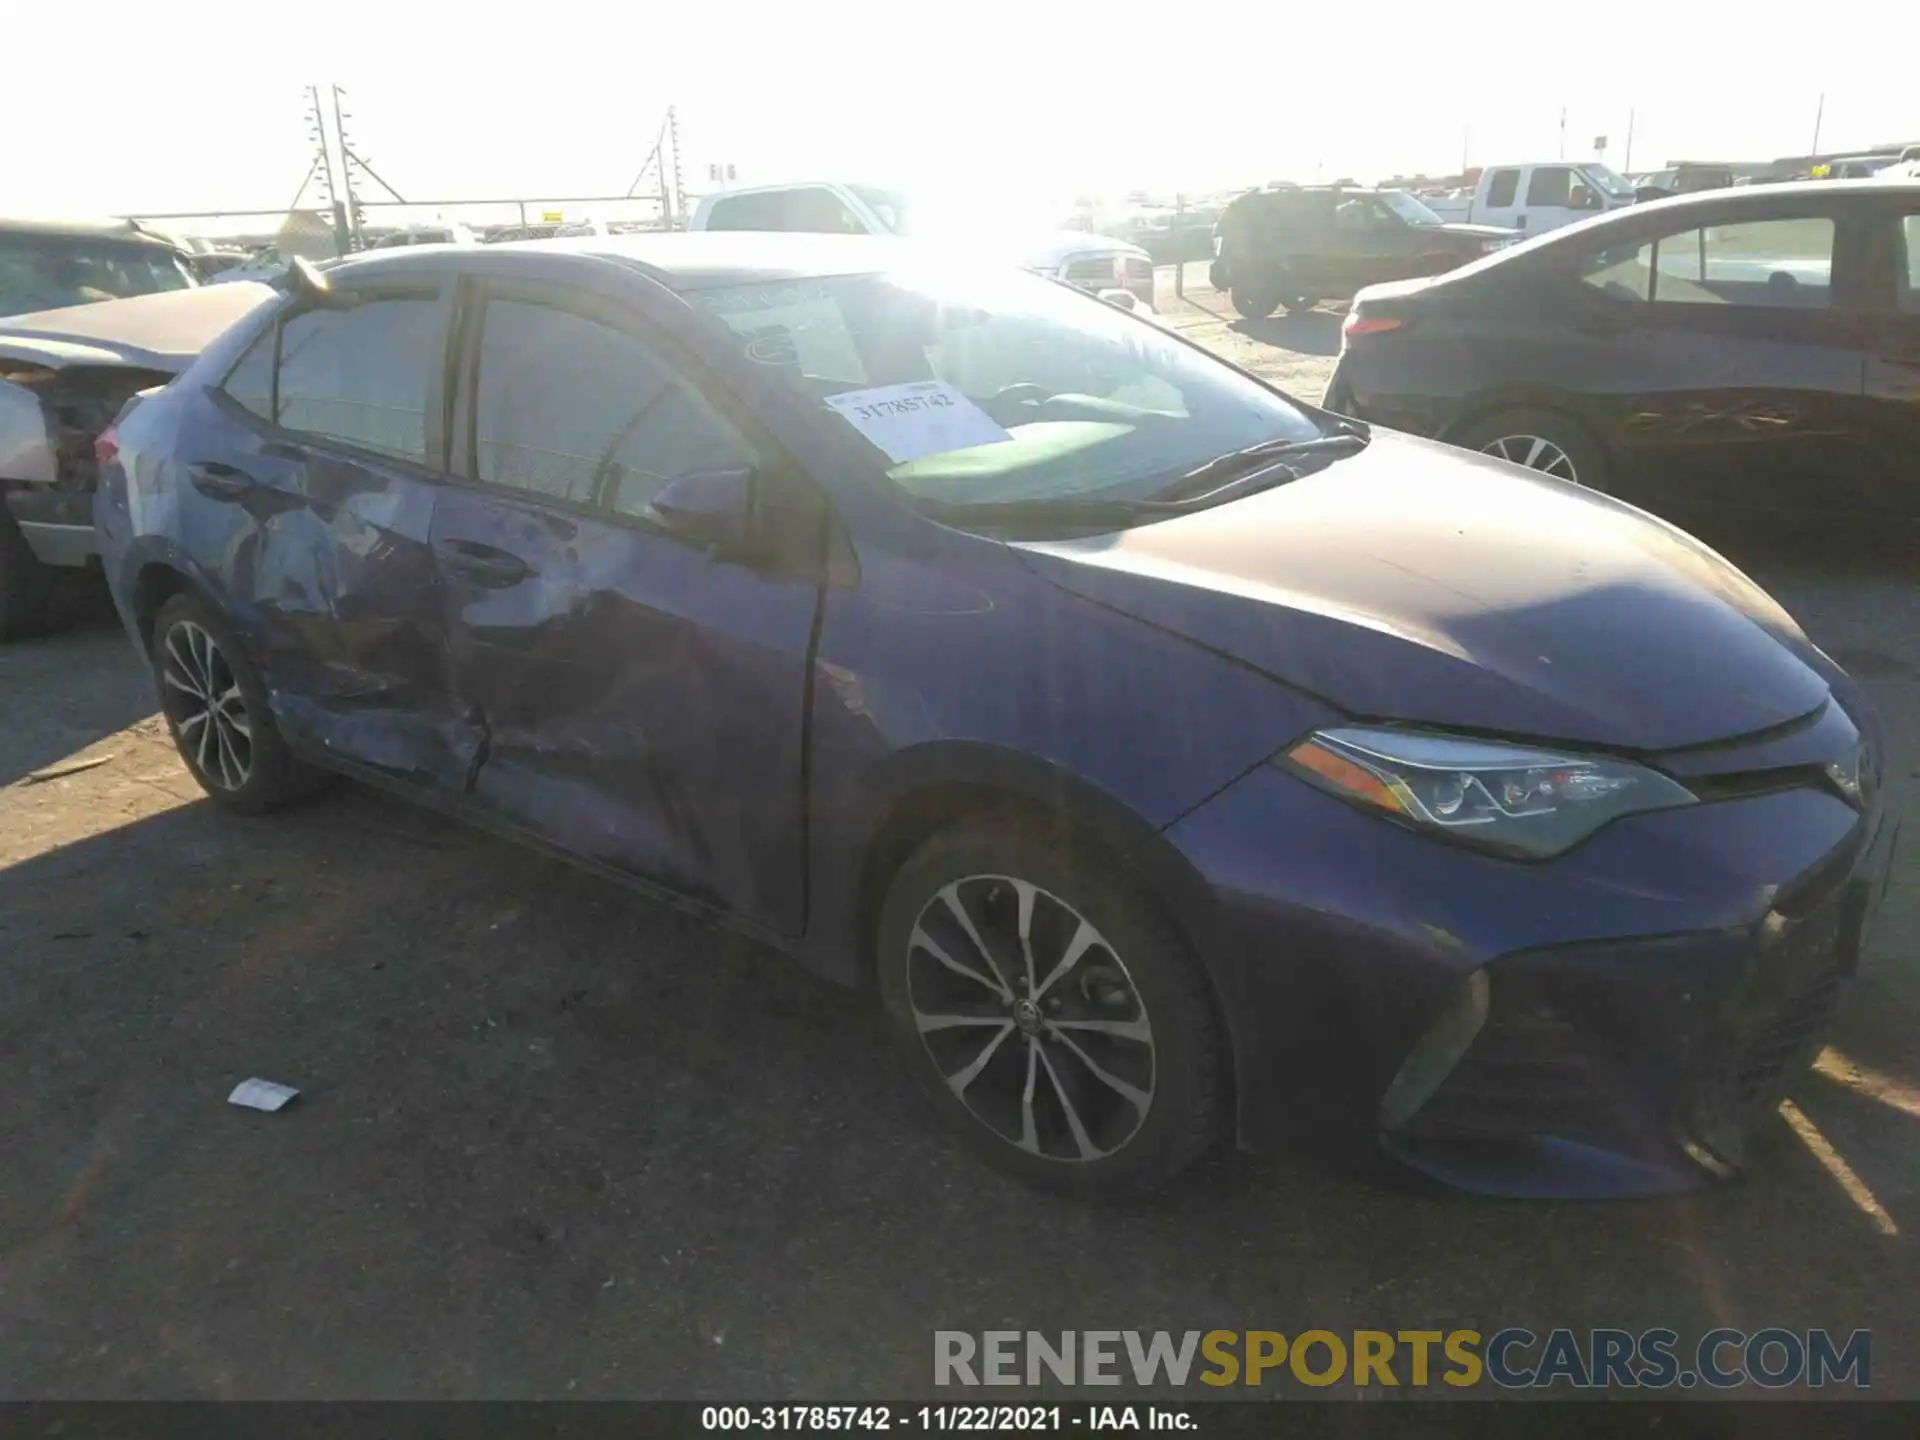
column 1643, row 1000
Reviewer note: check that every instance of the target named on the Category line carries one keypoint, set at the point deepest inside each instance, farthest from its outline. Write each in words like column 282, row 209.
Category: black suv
column 1298, row 245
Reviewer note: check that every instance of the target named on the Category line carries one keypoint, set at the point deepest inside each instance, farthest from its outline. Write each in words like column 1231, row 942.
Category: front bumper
column 1650, row 994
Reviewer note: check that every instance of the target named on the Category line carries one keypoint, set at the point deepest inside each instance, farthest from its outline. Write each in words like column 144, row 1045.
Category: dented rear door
column 314, row 485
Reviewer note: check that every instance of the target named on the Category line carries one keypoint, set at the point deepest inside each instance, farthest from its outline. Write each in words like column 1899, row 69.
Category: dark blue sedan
column 1174, row 760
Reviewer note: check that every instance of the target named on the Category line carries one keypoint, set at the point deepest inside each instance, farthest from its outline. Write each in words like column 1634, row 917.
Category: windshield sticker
column 919, row 418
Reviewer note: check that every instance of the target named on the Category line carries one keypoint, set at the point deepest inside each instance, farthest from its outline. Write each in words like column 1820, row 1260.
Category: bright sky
column 145, row 108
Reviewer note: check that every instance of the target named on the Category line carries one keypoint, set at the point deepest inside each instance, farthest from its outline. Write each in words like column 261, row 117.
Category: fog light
column 1436, row 1053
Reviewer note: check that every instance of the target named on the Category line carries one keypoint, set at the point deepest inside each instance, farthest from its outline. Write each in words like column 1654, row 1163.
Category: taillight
column 106, row 445
column 1357, row 323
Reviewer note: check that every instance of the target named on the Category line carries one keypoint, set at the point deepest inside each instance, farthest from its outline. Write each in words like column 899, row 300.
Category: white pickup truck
column 1533, row 198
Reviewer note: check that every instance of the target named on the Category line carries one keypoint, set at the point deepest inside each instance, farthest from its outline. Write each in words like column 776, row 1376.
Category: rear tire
column 1543, row 440
column 1098, row 1068
column 1252, row 304
column 218, row 714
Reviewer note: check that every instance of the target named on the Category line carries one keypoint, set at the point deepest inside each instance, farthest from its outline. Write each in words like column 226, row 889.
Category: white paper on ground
column 261, row 1094
column 921, row 417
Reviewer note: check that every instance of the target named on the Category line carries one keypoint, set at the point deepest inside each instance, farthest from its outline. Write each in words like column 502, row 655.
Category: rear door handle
column 485, row 565
column 222, row 482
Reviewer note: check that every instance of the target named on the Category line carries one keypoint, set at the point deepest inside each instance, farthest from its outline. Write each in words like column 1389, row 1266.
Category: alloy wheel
column 1536, row 452
column 205, row 703
column 1031, row 1018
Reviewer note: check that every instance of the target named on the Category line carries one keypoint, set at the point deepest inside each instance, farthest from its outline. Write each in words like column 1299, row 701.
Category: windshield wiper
column 1257, row 455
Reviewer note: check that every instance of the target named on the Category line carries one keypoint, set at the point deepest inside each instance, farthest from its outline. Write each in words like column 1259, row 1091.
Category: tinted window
column 1757, row 262
column 809, row 210
column 817, row 212
column 361, row 375
column 1623, row 271
column 251, row 380
column 579, row 411
column 1549, row 185
column 1502, row 188
column 1910, row 271
column 741, row 212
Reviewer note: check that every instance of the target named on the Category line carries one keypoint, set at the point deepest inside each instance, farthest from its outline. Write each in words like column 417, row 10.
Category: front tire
column 1542, row 440
column 217, row 712
column 1300, row 303
column 1052, row 1014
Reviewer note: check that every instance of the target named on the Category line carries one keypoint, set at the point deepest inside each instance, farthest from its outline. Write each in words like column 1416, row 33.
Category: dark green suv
column 1297, row 245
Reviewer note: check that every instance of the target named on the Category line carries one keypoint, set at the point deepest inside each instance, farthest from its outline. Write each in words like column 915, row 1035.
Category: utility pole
column 342, row 238
column 346, row 172
column 1627, row 164
column 1819, row 113
column 673, row 141
column 1466, row 145
column 1563, row 132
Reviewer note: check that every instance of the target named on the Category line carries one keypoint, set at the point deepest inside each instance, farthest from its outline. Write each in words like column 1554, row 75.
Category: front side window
column 1550, row 185
column 1502, row 189
column 360, row 375
column 1361, row 212
column 571, row 409
column 1061, row 397
column 1608, row 181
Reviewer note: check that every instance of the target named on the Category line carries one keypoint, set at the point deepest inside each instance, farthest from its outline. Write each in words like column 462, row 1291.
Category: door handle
column 485, row 565
column 222, row 482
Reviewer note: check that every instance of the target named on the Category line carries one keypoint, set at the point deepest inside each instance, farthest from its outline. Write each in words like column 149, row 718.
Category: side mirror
column 1123, row 298
column 710, row 508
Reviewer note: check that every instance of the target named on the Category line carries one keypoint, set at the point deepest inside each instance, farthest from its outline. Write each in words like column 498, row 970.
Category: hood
column 162, row 332
column 1479, row 232
column 1051, row 249
column 1417, row 582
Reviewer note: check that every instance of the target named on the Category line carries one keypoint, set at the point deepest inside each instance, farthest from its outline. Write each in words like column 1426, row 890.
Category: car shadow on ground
column 1306, row 332
column 116, row 691
column 552, row 1135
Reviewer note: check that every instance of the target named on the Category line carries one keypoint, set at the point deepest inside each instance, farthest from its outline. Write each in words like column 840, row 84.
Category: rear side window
column 1775, row 263
column 361, row 375
column 579, row 411
column 1502, row 188
column 250, row 382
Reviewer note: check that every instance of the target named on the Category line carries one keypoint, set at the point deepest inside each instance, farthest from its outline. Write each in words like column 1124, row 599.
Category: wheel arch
column 1524, row 397
column 929, row 792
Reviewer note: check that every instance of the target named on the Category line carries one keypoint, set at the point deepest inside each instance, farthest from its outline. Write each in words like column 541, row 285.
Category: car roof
column 680, row 260
column 125, row 230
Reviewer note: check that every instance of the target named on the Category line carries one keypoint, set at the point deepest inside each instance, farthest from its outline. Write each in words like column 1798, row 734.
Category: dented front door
column 643, row 703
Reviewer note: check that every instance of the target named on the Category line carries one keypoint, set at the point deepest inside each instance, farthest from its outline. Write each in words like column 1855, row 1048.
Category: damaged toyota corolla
column 1174, row 760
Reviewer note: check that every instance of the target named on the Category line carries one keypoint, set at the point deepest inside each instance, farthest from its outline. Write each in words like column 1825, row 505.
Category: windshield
column 1000, row 389
column 1409, row 209
column 51, row 272
column 1613, row 183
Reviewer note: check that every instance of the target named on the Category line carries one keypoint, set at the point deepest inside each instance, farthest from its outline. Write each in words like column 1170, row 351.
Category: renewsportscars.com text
column 1512, row 1358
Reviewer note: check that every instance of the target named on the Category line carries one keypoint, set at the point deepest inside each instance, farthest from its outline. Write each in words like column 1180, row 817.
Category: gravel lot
column 554, row 1141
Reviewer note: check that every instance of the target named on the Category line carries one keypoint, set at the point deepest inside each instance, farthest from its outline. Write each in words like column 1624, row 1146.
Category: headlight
column 1506, row 798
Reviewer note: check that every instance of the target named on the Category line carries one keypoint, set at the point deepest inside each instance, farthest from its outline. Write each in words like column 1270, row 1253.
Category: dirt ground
column 554, row 1141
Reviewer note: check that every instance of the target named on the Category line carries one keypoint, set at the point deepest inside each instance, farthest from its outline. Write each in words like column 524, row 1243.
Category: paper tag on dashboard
column 921, row 417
